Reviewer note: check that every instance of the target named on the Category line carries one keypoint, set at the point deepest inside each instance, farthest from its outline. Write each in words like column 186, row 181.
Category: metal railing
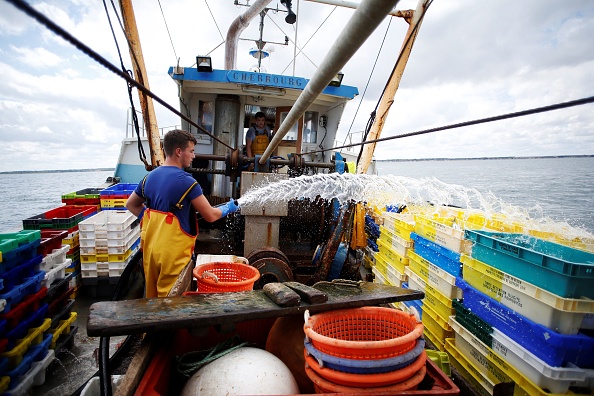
column 130, row 131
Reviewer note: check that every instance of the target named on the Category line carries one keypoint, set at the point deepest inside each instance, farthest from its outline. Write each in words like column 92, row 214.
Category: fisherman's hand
column 230, row 207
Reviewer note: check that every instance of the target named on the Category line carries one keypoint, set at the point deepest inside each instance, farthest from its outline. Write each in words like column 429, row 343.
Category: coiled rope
column 189, row 363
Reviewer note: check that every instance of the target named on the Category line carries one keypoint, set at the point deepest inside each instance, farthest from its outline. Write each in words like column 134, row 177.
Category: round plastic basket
column 322, row 385
column 358, row 366
column 363, row 333
column 221, row 277
column 367, row 380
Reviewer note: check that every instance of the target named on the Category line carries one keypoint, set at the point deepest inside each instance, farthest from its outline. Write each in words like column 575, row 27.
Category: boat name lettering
column 267, row 79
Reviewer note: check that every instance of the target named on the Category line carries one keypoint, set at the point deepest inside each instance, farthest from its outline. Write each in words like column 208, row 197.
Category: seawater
column 23, row 195
column 547, row 190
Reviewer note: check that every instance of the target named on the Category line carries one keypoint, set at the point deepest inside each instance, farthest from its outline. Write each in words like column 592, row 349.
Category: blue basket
column 553, row 348
column 444, row 258
column 374, row 366
column 562, row 270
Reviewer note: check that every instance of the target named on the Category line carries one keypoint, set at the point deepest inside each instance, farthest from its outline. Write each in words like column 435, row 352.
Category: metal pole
column 363, row 22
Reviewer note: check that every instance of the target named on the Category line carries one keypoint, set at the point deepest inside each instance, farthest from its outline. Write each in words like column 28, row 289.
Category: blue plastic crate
column 16, row 275
column 20, row 331
column 559, row 269
column 16, row 294
column 553, row 348
column 118, row 190
column 444, row 258
column 21, row 254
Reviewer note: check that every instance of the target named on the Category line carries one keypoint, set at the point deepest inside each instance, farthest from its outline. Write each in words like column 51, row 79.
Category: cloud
column 59, row 109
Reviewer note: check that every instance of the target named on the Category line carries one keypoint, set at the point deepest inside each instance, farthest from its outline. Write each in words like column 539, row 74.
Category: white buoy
column 245, row 371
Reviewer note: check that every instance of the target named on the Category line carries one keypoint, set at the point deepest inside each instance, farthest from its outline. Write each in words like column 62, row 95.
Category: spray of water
column 385, row 190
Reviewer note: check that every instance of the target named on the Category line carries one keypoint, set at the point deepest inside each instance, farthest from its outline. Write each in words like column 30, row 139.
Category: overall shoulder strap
column 179, row 204
column 143, row 193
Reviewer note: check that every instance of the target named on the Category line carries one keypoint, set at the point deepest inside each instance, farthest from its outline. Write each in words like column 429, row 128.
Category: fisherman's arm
column 135, row 204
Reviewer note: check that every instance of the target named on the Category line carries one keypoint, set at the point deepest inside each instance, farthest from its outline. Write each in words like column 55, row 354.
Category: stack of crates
column 526, row 315
column 87, row 196
column 434, row 264
column 25, row 328
column 115, row 197
column 108, row 241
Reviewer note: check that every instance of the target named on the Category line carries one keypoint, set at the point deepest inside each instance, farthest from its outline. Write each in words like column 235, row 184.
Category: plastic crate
column 115, row 203
column 58, row 271
column 434, row 276
column 394, row 242
column 51, row 240
column 57, row 256
column 16, row 294
column 515, row 360
column 470, row 372
column 553, row 348
column 391, row 257
column 399, row 224
column 29, row 305
column 62, row 218
column 438, row 327
column 120, row 190
column 63, row 328
column 72, row 239
column 113, row 220
column 442, row 232
column 440, row 304
column 111, row 269
column 442, row 257
column 16, row 275
column 34, row 377
column 24, row 252
column 108, row 246
column 63, row 313
column 415, row 282
column 111, row 258
column 20, row 331
column 395, row 277
column 101, row 286
column 562, row 315
column 34, row 337
column 36, row 353
column 559, row 269
column 13, row 245
column 87, row 196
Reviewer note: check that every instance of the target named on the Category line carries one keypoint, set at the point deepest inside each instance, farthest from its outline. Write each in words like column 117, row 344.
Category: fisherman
column 167, row 200
column 257, row 137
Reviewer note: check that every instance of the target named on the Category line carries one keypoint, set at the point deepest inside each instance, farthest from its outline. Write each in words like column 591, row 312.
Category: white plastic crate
column 442, row 234
column 395, row 277
column 111, row 246
column 555, row 379
column 34, row 377
column 105, row 238
column 108, row 220
column 414, row 281
column 57, row 256
column 56, row 272
column 399, row 224
column 379, row 277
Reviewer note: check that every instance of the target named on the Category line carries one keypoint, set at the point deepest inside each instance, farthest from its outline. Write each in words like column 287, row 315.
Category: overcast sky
column 472, row 59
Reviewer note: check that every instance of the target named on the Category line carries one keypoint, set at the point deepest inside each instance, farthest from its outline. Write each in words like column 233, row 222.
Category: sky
column 61, row 110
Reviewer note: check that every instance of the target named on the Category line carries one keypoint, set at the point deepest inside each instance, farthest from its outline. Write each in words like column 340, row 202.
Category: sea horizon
column 377, row 160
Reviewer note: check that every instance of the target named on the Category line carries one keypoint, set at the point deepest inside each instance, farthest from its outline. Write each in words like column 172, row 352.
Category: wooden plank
column 113, row 318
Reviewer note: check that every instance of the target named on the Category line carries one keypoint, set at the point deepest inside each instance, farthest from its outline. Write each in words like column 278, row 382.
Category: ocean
column 561, row 189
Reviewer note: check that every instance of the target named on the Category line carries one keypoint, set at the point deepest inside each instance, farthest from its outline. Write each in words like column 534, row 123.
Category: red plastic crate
column 29, row 304
column 50, row 240
column 62, row 218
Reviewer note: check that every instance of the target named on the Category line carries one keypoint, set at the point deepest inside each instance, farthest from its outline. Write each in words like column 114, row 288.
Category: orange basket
column 322, row 385
column 221, row 277
column 363, row 333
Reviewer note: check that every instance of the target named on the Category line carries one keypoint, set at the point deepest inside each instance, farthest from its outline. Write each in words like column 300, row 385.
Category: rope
column 168, row 33
column 39, row 17
column 557, row 106
column 189, row 363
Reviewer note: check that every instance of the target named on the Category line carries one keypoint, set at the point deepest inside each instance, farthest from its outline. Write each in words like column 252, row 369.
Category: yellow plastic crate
column 394, row 242
column 399, row 224
column 62, row 328
column 94, row 258
column 391, row 257
column 442, row 305
column 428, row 334
column 72, row 240
column 484, row 385
column 113, row 203
column 4, row 382
column 442, row 232
column 381, row 264
column 34, row 337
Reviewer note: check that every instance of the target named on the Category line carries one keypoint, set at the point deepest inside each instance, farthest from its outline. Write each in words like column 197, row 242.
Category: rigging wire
column 544, row 109
column 374, row 112
column 367, row 85
column 214, row 20
column 141, row 153
column 168, row 33
column 307, row 42
column 294, row 43
column 39, row 17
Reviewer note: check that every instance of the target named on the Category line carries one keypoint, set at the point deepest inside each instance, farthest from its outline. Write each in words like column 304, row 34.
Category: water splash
column 385, row 190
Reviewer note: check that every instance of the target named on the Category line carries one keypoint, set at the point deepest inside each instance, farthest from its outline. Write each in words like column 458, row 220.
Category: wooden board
column 114, row 318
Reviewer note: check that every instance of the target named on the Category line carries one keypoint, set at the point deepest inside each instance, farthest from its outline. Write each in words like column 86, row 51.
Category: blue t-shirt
column 251, row 133
column 163, row 188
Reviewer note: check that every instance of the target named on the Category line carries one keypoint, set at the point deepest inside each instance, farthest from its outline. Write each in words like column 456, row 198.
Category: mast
column 146, row 102
column 414, row 20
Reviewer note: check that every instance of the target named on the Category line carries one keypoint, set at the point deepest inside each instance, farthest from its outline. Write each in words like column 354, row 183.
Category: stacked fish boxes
column 433, row 267
column 115, row 197
column 525, row 316
column 108, row 241
column 25, row 329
